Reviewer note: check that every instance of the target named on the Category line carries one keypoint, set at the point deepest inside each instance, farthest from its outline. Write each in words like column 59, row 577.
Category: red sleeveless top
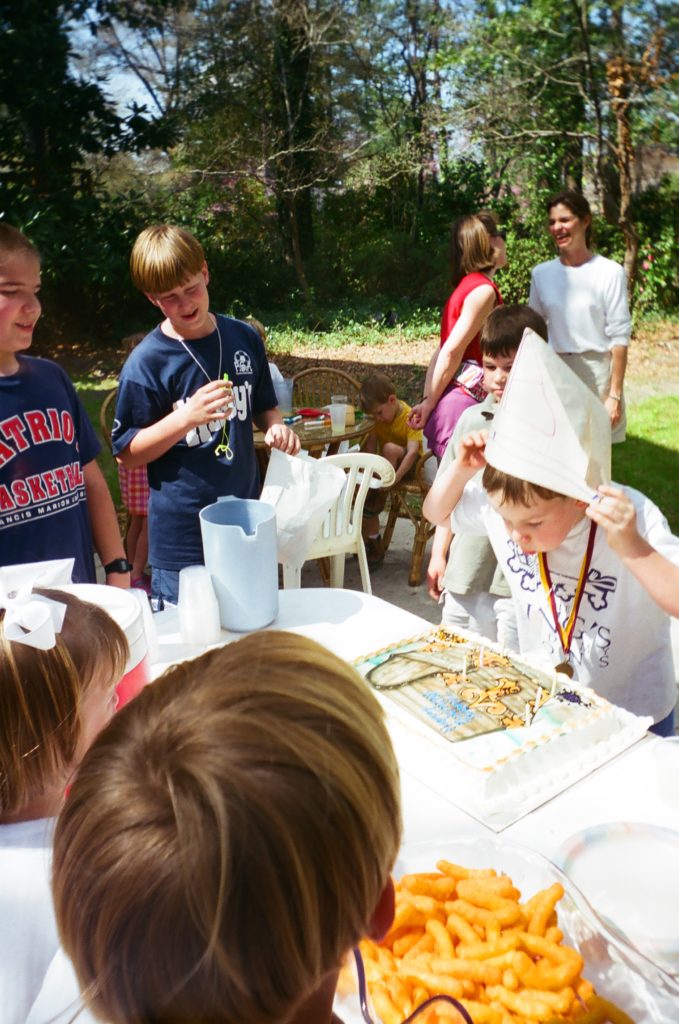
column 453, row 308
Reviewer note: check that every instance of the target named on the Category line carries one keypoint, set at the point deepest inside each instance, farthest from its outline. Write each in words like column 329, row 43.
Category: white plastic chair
column 340, row 533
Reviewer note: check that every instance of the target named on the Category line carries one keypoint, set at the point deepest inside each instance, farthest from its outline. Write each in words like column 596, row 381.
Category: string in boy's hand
column 615, row 513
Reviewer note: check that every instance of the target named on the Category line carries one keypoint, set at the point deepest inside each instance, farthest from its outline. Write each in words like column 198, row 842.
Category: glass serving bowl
column 618, row 971
column 628, row 871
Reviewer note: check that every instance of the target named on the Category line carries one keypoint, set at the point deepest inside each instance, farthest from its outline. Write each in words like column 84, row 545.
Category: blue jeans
column 164, row 588
column 665, row 727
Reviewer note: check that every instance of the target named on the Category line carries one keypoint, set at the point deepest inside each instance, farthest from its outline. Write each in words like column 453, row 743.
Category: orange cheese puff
column 446, row 867
column 440, row 887
column 442, row 940
column 473, row 970
column 436, row 984
column 526, row 1003
column 486, row 950
column 407, row 941
column 384, row 1007
column 399, row 993
column 482, row 1013
column 457, row 925
column 543, row 908
column 423, row 945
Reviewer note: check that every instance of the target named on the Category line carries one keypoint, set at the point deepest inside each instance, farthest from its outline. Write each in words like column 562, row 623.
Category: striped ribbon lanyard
column 566, row 634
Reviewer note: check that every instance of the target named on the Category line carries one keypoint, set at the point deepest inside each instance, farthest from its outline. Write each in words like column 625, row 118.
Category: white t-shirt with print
column 621, row 644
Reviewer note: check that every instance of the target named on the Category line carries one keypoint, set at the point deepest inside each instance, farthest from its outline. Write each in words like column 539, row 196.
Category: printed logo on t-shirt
column 25, row 495
column 242, row 363
column 591, row 641
column 205, row 432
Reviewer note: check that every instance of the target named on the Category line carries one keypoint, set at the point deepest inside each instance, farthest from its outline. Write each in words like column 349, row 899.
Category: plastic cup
column 198, row 608
column 283, row 389
column 338, row 399
column 338, row 418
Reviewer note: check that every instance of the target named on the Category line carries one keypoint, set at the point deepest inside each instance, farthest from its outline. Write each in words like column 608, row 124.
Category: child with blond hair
column 188, row 396
column 60, row 660
column 229, row 839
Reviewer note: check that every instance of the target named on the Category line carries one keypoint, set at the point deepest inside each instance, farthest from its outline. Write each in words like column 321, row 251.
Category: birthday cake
column 516, row 732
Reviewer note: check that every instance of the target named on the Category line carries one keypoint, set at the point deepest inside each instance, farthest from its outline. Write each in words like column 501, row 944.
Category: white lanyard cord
column 198, row 362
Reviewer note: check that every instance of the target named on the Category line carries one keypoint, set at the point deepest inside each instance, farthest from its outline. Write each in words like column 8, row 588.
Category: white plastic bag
column 302, row 491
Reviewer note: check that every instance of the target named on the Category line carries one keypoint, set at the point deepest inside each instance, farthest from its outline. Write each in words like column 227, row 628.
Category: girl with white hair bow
column 60, row 660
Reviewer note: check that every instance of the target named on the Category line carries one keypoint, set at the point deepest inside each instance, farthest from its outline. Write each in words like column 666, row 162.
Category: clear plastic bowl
column 618, row 971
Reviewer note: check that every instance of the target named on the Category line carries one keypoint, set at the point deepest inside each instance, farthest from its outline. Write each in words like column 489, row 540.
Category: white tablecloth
column 351, row 624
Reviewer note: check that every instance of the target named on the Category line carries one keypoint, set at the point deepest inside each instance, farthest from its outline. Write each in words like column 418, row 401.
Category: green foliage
column 657, row 213
column 648, row 458
column 523, row 253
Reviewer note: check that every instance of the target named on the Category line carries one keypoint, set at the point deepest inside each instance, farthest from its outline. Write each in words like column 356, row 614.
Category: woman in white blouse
column 583, row 298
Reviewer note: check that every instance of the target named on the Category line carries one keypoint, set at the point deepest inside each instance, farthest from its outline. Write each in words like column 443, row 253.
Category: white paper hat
column 550, row 429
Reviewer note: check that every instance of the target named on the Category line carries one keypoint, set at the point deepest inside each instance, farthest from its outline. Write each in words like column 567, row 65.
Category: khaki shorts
column 594, row 370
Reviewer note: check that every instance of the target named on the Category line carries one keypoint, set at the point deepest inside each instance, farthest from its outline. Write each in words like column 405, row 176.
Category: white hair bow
column 31, row 619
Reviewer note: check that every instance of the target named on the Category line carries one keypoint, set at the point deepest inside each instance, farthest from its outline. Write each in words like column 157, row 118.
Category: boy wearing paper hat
column 593, row 567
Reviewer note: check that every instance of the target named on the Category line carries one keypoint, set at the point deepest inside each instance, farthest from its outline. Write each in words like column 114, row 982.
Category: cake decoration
column 462, row 688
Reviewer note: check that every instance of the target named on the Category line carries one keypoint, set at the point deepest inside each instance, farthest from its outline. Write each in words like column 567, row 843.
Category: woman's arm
column 613, row 400
column 475, row 309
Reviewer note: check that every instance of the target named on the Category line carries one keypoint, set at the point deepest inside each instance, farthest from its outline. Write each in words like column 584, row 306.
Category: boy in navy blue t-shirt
column 54, row 501
column 178, row 412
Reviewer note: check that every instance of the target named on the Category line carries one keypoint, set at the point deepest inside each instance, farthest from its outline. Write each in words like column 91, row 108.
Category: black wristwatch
column 118, row 565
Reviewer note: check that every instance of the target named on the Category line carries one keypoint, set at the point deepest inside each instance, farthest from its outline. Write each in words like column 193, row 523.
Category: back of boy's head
column 13, row 243
column 503, row 329
column 514, row 491
column 163, row 257
column 376, row 389
column 228, row 837
column 41, row 692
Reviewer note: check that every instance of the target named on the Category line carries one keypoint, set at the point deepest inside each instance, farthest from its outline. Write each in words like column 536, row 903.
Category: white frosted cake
column 514, row 733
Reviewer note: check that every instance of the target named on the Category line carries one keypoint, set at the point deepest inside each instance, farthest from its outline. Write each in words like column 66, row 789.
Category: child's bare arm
column 276, row 433
column 370, row 445
column 448, row 486
column 438, row 560
column 206, row 405
column 104, row 522
column 408, row 461
column 659, row 577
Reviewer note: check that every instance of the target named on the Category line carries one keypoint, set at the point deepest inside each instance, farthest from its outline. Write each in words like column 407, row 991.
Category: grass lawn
column 649, row 458
column 92, row 397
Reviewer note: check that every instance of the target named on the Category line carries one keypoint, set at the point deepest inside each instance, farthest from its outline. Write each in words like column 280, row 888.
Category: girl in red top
column 477, row 252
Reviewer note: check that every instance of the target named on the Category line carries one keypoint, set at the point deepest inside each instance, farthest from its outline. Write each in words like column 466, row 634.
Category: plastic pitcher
column 240, row 549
